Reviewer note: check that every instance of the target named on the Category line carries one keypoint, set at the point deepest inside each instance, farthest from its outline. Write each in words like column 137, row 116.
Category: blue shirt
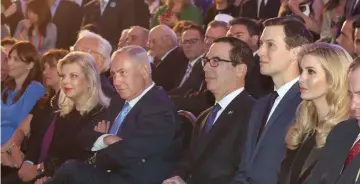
column 13, row 114
column 54, row 7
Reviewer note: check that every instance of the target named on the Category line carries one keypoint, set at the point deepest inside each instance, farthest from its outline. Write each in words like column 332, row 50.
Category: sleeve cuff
column 29, row 162
column 99, row 143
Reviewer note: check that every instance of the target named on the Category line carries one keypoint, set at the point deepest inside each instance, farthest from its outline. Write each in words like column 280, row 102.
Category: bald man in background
column 170, row 60
column 138, row 36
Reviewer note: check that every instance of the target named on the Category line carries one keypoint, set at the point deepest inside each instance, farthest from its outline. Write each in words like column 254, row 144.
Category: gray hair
column 168, row 33
column 104, row 46
column 136, row 53
column 88, row 66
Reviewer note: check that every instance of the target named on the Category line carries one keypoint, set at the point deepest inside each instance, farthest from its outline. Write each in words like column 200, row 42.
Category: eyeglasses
column 214, row 62
column 72, row 48
column 190, row 41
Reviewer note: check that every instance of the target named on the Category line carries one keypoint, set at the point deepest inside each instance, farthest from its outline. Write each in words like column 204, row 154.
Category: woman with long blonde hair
column 323, row 87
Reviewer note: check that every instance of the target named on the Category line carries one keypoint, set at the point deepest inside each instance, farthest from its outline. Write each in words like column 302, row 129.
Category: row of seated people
column 239, row 139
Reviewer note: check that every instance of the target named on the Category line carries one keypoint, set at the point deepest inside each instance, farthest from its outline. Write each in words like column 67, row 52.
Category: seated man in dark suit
column 143, row 143
column 272, row 115
column 138, row 36
column 249, row 31
column 100, row 49
column 170, row 60
column 193, row 95
column 220, row 131
column 340, row 160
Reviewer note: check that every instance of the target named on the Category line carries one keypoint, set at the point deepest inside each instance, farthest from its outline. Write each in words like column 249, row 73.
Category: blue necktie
column 211, row 119
column 120, row 118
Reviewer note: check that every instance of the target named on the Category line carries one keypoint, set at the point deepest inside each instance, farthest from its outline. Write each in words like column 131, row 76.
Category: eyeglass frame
column 208, row 60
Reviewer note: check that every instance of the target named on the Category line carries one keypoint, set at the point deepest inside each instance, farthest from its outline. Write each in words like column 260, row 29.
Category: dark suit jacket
column 213, row 157
column 350, row 9
column 14, row 19
column 151, row 141
column 107, row 87
column 117, row 16
column 248, row 8
column 171, row 70
column 67, row 30
column 261, row 161
column 329, row 169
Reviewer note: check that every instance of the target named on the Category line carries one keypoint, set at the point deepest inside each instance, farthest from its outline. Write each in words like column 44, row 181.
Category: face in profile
column 74, row 82
column 128, row 76
column 4, row 65
column 51, row 77
column 313, row 82
column 91, row 46
column 33, row 17
column 354, row 92
column 17, row 68
column 275, row 58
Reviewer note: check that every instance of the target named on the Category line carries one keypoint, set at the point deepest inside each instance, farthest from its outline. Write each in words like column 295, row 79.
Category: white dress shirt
column 103, row 4
column 281, row 92
column 167, row 53
column 224, row 102
column 99, row 143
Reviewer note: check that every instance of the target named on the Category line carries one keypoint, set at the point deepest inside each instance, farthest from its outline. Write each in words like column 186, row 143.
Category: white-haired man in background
column 100, row 49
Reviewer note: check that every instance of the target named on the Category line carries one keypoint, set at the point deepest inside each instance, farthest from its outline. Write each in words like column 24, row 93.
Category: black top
column 65, row 142
column 212, row 12
column 298, row 163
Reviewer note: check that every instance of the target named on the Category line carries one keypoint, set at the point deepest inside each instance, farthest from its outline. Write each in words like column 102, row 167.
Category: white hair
column 167, row 32
column 136, row 53
column 104, row 46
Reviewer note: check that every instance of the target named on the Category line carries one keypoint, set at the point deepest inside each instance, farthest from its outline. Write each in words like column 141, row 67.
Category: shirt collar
column 167, row 53
column 133, row 102
column 255, row 53
column 192, row 62
column 224, row 102
column 286, row 87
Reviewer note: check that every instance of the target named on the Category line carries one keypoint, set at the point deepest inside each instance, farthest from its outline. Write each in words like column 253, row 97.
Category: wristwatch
column 39, row 170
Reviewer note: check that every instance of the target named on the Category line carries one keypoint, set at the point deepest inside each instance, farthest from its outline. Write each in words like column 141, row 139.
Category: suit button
column 108, row 171
column 143, row 160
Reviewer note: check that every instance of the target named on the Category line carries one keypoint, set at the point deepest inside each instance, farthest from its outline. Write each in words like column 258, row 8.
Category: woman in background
column 38, row 28
column 323, row 87
column 333, row 15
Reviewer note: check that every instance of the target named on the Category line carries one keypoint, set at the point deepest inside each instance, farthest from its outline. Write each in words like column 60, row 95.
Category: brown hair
column 8, row 41
column 354, row 65
column 42, row 10
column 27, row 53
column 295, row 31
column 197, row 28
column 180, row 25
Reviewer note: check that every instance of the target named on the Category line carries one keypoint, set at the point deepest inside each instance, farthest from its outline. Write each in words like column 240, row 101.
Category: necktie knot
column 274, row 95
column 211, row 119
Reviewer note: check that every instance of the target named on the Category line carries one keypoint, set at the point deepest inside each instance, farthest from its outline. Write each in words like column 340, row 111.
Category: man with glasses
column 100, row 49
column 220, row 131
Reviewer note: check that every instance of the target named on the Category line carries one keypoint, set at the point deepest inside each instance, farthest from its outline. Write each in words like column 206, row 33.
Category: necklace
column 51, row 100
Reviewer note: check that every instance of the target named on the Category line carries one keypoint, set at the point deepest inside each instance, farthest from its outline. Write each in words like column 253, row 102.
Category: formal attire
column 264, row 9
column 340, row 159
column 42, row 43
column 150, row 145
column 170, row 71
column 212, row 12
column 265, row 146
column 352, row 8
column 113, row 16
column 13, row 20
column 298, row 163
column 63, row 11
column 189, row 13
column 12, row 114
column 216, row 149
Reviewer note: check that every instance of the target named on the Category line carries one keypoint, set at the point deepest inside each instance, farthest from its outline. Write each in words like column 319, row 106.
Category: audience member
column 333, row 13
column 14, row 14
column 352, row 8
column 325, row 103
column 137, row 36
column 7, row 44
column 122, row 39
column 38, row 28
column 176, row 10
column 100, row 49
column 273, row 114
column 4, row 67
column 44, row 108
column 356, row 26
column 259, row 10
column 113, row 16
column 22, row 89
column 179, row 28
column 220, row 131
column 143, row 134
column 170, row 61
column 340, row 160
column 221, row 7
column 215, row 29
column 346, row 37
column 249, row 31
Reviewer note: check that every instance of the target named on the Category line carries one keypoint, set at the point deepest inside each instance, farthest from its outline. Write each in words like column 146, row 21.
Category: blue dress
column 13, row 114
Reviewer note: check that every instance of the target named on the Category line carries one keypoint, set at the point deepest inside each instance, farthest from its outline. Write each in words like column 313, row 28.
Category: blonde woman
column 323, row 88
column 58, row 136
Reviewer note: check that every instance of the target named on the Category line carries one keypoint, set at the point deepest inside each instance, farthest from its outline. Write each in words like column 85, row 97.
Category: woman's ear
column 30, row 65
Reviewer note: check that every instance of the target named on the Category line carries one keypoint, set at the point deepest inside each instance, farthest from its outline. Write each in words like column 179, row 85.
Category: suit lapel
column 219, row 127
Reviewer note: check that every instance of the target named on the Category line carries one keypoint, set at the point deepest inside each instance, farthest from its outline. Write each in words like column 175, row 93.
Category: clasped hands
column 103, row 127
column 11, row 155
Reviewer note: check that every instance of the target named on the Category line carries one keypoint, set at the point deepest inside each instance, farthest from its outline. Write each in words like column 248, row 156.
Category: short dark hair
column 240, row 52
column 354, row 65
column 180, row 25
column 195, row 27
column 295, row 32
column 216, row 24
column 8, row 41
column 92, row 28
column 356, row 24
column 252, row 27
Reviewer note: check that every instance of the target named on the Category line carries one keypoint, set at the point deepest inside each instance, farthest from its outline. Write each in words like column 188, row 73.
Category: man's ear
column 294, row 53
column 241, row 70
column 255, row 40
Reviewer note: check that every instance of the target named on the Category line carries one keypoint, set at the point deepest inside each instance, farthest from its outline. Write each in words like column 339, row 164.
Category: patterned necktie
column 211, row 119
column 352, row 154
column 120, row 118
column 187, row 74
